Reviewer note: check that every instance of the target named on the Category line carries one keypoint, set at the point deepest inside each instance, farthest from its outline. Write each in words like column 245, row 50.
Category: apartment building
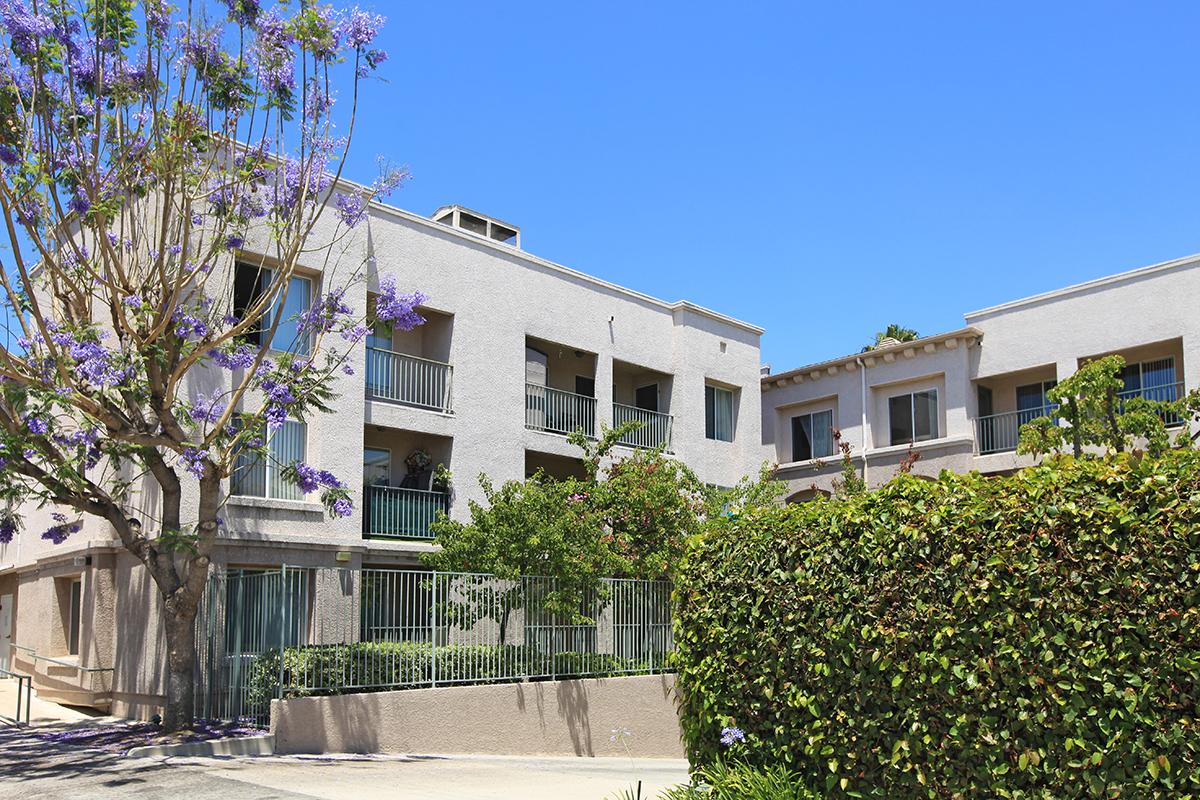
column 957, row 399
column 516, row 352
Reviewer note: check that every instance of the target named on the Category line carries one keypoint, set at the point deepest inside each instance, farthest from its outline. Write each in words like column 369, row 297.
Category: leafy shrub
column 382, row 666
column 721, row 781
column 1025, row 636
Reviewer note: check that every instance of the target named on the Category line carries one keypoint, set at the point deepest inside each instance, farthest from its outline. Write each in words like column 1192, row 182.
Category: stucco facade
column 460, row 389
column 987, row 377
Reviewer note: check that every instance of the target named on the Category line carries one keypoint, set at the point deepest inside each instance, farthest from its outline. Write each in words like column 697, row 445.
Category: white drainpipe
column 862, row 373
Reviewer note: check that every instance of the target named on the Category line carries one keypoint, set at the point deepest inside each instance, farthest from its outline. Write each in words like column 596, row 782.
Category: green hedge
column 382, row 666
column 1026, row 636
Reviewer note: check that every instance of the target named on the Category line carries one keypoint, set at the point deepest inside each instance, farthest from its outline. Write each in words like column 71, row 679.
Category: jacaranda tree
column 144, row 149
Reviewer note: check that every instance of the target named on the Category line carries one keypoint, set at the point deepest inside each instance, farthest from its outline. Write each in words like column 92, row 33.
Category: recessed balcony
column 560, row 388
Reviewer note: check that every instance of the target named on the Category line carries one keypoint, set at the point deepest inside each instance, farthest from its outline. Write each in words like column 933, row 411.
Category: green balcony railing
column 655, row 430
column 408, row 379
column 559, row 411
column 402, row 513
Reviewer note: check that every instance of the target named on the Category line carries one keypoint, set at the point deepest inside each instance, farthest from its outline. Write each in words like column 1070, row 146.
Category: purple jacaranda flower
column 133, row 301
column 328, row 479
column 8, row 528
column 37, row 425
column 328, row 310
column 193, row 460
column 351, row 209
column 8, row 155
column 398, row 309
column 342, row 507
column 240, row 357
column 731, row 735
column 306, row 478
column 347, row 370
column 208, row 409
column 61, row 529
column 275, row 415
column 233, row 241
column 359, row 28
column 243, row 12
column 25, row 28
column 371, row 61
column 189, row 325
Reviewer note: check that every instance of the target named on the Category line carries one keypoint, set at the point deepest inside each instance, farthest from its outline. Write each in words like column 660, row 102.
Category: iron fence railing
column 997, row 433
column 297, row 631
column 409, row 379
column 655, row 430
column 403, row 513
column 559, row 411
column 24, row 693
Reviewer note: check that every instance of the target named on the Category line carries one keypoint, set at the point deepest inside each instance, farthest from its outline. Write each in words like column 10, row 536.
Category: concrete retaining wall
column 575, row 717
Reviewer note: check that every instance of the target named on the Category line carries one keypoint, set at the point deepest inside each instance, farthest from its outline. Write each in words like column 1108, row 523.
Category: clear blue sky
column 819, row 171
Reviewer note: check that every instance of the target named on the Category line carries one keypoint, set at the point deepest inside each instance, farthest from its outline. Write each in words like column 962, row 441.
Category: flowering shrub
column 144, row 151
column 1024, row 636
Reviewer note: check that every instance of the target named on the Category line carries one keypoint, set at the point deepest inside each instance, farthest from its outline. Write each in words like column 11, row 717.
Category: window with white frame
column 718, row 413
column 913, row 417
column 250, row 283
column 812, row 435
column 254, row 476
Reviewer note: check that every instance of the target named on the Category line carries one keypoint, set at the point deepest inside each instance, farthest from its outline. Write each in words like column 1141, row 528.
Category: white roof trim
column 917, row 345
column 509, row 250
column 1133, row 274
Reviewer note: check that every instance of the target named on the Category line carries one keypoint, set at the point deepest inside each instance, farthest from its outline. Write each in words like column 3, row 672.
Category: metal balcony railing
column 655, row 430
column 1164, row 393
column 558, row 411
column 998, row 433
column 403, row 513
column 408, row 379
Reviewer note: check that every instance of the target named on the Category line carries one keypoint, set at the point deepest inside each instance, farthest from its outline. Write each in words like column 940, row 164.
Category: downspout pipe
column 862, row 376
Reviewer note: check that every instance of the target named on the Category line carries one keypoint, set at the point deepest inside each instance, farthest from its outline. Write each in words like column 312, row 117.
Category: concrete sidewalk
column 41, row 712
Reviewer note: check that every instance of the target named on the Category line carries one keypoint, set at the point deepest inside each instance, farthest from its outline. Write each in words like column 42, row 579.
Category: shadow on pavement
column 70, row 750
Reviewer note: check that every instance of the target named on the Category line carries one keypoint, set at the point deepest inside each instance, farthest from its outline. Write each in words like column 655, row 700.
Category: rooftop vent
column 481, row 224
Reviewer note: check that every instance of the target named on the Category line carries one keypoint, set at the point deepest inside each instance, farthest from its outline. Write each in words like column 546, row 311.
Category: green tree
column 630, row 516
column 893, row 331
column 1095, row 414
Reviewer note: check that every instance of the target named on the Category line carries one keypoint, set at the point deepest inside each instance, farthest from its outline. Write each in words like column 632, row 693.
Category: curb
column 243, row 746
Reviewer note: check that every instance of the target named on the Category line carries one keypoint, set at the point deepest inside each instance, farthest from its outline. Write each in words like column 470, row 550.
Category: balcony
column 401, row 513
column 1164, row 393
column 409, row 380
column 655, row 430
column 559, row 411
column 998, row 433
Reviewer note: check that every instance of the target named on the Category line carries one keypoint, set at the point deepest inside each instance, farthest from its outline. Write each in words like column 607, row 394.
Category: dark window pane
column 248, row 282
column 1158, row 373
column 647, row 397
column 1030, row 397
column 585, row 386
column 802, row 438
column 75, row 616
column 900, row 414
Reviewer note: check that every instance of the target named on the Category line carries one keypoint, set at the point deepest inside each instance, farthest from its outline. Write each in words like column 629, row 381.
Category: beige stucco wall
column 564, row 718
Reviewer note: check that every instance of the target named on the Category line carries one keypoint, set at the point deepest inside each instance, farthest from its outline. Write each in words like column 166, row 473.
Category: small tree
column 629, row 517
column 141, row 152
column 1095, row 414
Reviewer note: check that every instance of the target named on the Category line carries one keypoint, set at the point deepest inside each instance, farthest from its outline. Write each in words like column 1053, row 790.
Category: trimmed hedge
column 383, row 666
column 1025, row 636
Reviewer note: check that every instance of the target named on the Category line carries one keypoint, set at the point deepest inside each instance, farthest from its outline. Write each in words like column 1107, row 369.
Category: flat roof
column 1066, row 291
column 525, row 255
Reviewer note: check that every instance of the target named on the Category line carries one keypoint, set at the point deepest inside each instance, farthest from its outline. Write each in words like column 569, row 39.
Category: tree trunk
column 179, row 622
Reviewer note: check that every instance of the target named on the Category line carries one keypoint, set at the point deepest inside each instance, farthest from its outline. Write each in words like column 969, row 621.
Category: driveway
column 32, row 768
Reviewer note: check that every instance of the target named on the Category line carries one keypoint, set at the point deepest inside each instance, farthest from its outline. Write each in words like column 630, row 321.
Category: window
column 812, row 435
column 75, row 617
column 1153, row 380
column 377, row 466
column 380, row 337
column 249, row 284
column 254, row 477
column 585, row 386
column 914, row 417
column 1031, row 401
column 718, row 413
